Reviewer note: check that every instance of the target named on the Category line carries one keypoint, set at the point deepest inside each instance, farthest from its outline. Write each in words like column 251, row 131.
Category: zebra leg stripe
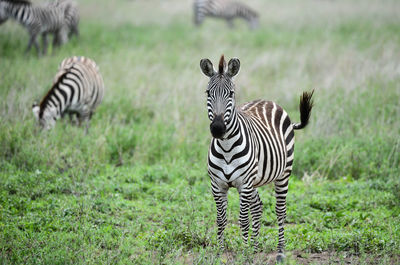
column 256, row 213
column 245, row 201
column 281, row 188
column 221, row 202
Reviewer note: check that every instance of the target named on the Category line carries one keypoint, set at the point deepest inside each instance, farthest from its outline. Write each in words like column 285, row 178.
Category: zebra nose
column 217, row 126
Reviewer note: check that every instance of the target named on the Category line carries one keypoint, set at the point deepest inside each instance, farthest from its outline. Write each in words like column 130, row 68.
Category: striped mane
column 222, row 64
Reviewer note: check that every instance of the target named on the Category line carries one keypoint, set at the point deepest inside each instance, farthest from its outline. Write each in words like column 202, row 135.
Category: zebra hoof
column 280, row 258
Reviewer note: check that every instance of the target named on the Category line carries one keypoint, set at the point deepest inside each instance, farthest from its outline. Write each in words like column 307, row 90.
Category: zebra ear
column 207, row 67
column 233, row 67
column 35, row 110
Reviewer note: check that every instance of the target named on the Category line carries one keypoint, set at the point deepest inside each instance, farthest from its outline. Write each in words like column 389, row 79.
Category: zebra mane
column 222, row 65
column 18, row 2
column 46, row 98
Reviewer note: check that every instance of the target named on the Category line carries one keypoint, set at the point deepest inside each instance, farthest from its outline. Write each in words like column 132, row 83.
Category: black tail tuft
column 306, row 104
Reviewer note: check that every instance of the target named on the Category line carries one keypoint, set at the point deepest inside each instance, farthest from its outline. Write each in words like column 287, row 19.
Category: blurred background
column 136, row 190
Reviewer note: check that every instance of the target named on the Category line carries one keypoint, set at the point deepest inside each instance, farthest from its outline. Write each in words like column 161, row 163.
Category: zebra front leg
column 32, row 41
column 221, row 201
column 281, row 188
column 256, row 210
column 245, row 195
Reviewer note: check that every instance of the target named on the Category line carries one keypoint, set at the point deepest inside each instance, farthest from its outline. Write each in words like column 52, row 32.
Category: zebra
column 252, row 145
column 71, row 16
column 37, row 19
column 226, row 9
column 78, row 88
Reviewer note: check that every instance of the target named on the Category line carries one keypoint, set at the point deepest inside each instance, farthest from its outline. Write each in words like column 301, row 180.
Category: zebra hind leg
column 281, row 188
column 74, row 31
column 84, row 118
column 256, row 213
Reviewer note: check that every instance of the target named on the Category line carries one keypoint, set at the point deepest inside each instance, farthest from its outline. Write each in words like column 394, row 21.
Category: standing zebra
column 37, row 20
column 71, row 16
column 252, row 145
column 78, row 88
column 226, row 9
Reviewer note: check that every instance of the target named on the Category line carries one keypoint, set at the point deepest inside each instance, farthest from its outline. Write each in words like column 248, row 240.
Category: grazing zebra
column 78, row 88
column 226, row 9
column 71, row 16
column 252, row 145
column 37, row 20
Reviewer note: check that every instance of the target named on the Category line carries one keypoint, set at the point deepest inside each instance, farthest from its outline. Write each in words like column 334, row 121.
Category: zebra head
column 220, row 93
column 46, row 117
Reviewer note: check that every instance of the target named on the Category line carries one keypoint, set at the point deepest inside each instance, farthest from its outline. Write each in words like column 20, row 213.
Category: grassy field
column 135, row 189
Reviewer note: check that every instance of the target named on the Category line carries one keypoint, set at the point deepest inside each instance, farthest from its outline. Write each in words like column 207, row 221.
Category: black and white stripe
column 252, row 145
column 71, row 15
column 38, row 20
column 225, row 9
column 78, row 88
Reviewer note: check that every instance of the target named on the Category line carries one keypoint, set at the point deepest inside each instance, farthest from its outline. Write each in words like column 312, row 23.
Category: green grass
column 135, row 190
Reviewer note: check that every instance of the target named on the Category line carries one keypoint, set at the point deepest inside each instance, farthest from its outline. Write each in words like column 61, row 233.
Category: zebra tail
column 306, row 104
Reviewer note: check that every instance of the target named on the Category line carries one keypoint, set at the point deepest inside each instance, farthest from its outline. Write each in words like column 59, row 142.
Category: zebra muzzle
column 217, row 127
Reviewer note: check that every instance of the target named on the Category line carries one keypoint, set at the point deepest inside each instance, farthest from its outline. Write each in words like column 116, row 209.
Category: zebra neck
column 52, row 111
column 54, row 102
column 233, row 126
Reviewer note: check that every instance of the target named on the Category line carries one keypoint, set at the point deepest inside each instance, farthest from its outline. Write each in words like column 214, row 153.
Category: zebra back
column 92, row 72
column 273, row 132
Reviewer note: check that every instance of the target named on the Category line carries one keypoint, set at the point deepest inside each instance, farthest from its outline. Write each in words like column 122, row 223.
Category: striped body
column 262, row 134
column 77, row 88
column 225, row 9
column 38, row 20
column 252, row 145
